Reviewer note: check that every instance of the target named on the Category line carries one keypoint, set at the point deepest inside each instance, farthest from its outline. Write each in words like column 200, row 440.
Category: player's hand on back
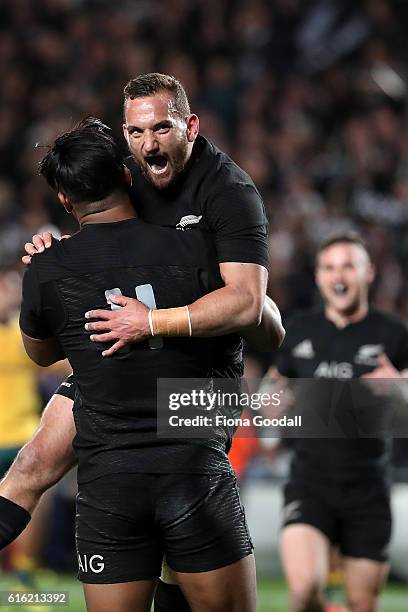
column 39, row 243
column 127, row 324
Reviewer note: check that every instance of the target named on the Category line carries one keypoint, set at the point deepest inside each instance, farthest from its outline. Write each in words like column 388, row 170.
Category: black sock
column 170, row 598
column 13, row 520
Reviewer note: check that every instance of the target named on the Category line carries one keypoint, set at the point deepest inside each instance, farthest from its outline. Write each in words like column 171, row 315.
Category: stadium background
column 308, row 96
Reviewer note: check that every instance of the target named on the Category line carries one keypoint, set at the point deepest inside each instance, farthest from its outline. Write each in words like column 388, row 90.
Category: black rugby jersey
column 211, row 194
column 214, row 195
column 315, row 348
column 115, row 405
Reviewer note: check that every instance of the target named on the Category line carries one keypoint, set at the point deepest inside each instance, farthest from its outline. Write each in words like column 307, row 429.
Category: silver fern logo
column 188, row 221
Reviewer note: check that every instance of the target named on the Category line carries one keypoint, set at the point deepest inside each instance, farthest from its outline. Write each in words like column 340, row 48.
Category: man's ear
column 65, row 202
column 193, row 126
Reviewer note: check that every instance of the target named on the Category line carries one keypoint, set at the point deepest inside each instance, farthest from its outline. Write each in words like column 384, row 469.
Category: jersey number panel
column 145, row 294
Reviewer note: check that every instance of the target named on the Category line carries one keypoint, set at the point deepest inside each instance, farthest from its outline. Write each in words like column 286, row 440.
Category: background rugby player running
column 338, row 490
column 139, row 495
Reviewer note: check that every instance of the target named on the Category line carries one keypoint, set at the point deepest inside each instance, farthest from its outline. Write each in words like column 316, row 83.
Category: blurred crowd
column 309, row 96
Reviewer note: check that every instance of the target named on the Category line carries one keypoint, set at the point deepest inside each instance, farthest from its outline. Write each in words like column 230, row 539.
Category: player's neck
column 341, row 320
column 109, row 210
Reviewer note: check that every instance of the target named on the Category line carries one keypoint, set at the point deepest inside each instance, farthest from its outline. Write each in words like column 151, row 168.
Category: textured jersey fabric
column 213, row 194
column 115, row 403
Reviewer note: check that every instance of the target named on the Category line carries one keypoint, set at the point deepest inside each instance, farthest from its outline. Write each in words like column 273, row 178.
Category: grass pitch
column 272, row 595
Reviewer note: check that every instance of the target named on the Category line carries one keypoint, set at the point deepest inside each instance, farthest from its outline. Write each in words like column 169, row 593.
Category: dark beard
column 179, row 165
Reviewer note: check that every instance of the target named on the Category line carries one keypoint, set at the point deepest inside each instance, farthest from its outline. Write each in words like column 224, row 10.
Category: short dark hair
column 152, row 83
column 344, row 237
column 85, row 164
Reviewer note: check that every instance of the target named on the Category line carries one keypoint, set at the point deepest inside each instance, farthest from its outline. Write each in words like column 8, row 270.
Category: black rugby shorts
column 125, row 523
column 354, row 514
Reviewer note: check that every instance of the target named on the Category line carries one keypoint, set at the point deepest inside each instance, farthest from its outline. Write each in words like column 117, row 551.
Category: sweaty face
column 343, row 275
column 157, row 138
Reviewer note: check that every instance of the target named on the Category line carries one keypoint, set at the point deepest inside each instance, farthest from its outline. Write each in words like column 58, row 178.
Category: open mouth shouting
column 157, row 164
column 340, row 289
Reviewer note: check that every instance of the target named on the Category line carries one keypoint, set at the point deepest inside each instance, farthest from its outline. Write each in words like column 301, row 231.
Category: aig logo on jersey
column 91, row 563
column 188, row 222
column 334, row 369
column 368, row 354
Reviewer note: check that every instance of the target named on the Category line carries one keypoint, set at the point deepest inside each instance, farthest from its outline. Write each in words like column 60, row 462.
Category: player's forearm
column 231, row 308
column 269, row 335
column 225, row 311
column 43, row 352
